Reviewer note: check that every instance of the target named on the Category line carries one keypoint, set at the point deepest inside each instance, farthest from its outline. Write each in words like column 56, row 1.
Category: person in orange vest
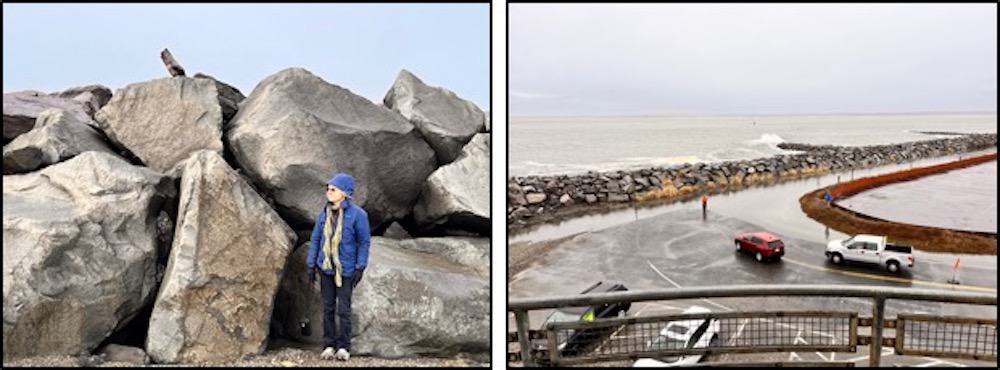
column 704, row 206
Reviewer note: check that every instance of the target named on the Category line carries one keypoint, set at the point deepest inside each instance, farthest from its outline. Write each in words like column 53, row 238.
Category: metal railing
column 631, row 338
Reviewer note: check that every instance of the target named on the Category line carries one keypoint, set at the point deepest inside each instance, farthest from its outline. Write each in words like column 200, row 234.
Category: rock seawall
column 536, row 199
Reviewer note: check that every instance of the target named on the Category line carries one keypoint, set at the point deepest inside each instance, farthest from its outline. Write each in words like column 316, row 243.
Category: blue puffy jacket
column 355, row 237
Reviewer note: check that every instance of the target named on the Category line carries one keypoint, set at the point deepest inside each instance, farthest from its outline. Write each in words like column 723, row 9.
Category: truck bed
column 899, row 248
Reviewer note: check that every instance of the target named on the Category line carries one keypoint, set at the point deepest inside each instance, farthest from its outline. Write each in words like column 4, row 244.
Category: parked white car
column 682, row 334
column 872, row 249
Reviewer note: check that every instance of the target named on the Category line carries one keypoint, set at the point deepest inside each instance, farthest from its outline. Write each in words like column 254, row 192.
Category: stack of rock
column 183, row 197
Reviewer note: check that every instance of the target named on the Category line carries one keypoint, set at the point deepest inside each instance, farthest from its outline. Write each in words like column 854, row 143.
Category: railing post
column 521, row 318
column 878, row 320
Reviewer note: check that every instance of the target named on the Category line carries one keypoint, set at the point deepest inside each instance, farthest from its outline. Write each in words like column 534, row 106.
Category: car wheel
column 759, row 257
column 836, row 258
column 893, row 267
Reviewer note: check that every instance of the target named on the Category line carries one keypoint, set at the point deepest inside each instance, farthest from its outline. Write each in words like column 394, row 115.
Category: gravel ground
column 283, row 356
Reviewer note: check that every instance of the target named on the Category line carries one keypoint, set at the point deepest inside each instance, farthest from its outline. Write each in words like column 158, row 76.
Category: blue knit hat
column 344, row 182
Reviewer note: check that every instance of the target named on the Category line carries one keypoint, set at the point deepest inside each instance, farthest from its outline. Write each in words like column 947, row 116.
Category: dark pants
column 336, row 301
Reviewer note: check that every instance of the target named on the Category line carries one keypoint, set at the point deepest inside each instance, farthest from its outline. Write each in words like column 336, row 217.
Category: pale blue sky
column 51, row 47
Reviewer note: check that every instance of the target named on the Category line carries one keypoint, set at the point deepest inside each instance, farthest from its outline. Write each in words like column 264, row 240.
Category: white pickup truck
column 872, row 249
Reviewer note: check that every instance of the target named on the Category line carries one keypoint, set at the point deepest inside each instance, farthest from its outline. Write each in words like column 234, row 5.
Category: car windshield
column 663, row 342
column 562, row 316
column 566, row 314
column 679, row 329
column 776, row 244
column 848, row 241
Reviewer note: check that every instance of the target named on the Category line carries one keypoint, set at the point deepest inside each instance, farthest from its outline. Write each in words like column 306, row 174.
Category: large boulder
column 408, row 304
column 229, row 97
column 457, row 195
column 295, row 131
column 225, row 264
column 163, row 121
column 21, row 109
column 470, row 252
column 57, row 136
column 93, row 97
column 79, row 261
column 446, row 120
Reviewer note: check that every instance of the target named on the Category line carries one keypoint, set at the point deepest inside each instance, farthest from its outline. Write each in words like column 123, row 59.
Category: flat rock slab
column 225, row 264
column 164, row 121
column 295, row 131
column 446, row 121
column 458, row 193
column 80, row 252
column 57, row 136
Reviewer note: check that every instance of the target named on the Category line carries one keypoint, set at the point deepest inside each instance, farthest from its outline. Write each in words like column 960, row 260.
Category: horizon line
column 755, row 114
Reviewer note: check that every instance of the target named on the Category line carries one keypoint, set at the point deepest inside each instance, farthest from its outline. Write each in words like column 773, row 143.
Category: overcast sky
column 51, row 47
column 625, row 59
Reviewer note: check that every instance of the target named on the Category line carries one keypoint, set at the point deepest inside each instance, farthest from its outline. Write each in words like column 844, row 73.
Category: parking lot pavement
column 679, row 249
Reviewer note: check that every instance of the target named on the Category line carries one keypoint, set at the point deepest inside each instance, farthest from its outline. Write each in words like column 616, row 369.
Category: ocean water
column 566, row 145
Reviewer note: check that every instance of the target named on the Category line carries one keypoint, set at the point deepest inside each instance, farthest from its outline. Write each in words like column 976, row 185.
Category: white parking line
column 739, row 332
column 706, row 300
column 939, row 361
column 831, row 336
column 885, row 352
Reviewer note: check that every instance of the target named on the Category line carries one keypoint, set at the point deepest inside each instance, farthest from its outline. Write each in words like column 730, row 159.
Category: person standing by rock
column 338, row 253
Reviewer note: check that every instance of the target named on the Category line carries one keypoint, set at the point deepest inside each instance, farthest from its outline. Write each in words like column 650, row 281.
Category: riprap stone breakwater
column 538, row 199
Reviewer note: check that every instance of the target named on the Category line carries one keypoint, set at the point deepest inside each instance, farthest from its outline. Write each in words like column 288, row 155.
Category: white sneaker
column 343, row 355
column 327, row 354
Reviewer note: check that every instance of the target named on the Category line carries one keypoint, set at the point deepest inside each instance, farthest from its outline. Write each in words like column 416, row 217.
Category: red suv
column 762, row 245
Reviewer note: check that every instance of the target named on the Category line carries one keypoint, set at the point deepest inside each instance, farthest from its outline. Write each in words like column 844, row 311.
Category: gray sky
column 633, row 59
column 51, row 47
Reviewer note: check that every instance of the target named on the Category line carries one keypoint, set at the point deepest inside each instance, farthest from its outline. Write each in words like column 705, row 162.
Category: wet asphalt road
column 679, row 249
column 671, row 246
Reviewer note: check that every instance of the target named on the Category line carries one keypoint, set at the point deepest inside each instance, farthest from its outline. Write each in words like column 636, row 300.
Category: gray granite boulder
column 446, row 121
column 457, row 194
column 164, row 121
column 80, row 252
column 295, row 131
column 227, row 258
column 470, row 252
column 21, row 109
column 229, row 97
column 57, row 136
column 93, row 97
